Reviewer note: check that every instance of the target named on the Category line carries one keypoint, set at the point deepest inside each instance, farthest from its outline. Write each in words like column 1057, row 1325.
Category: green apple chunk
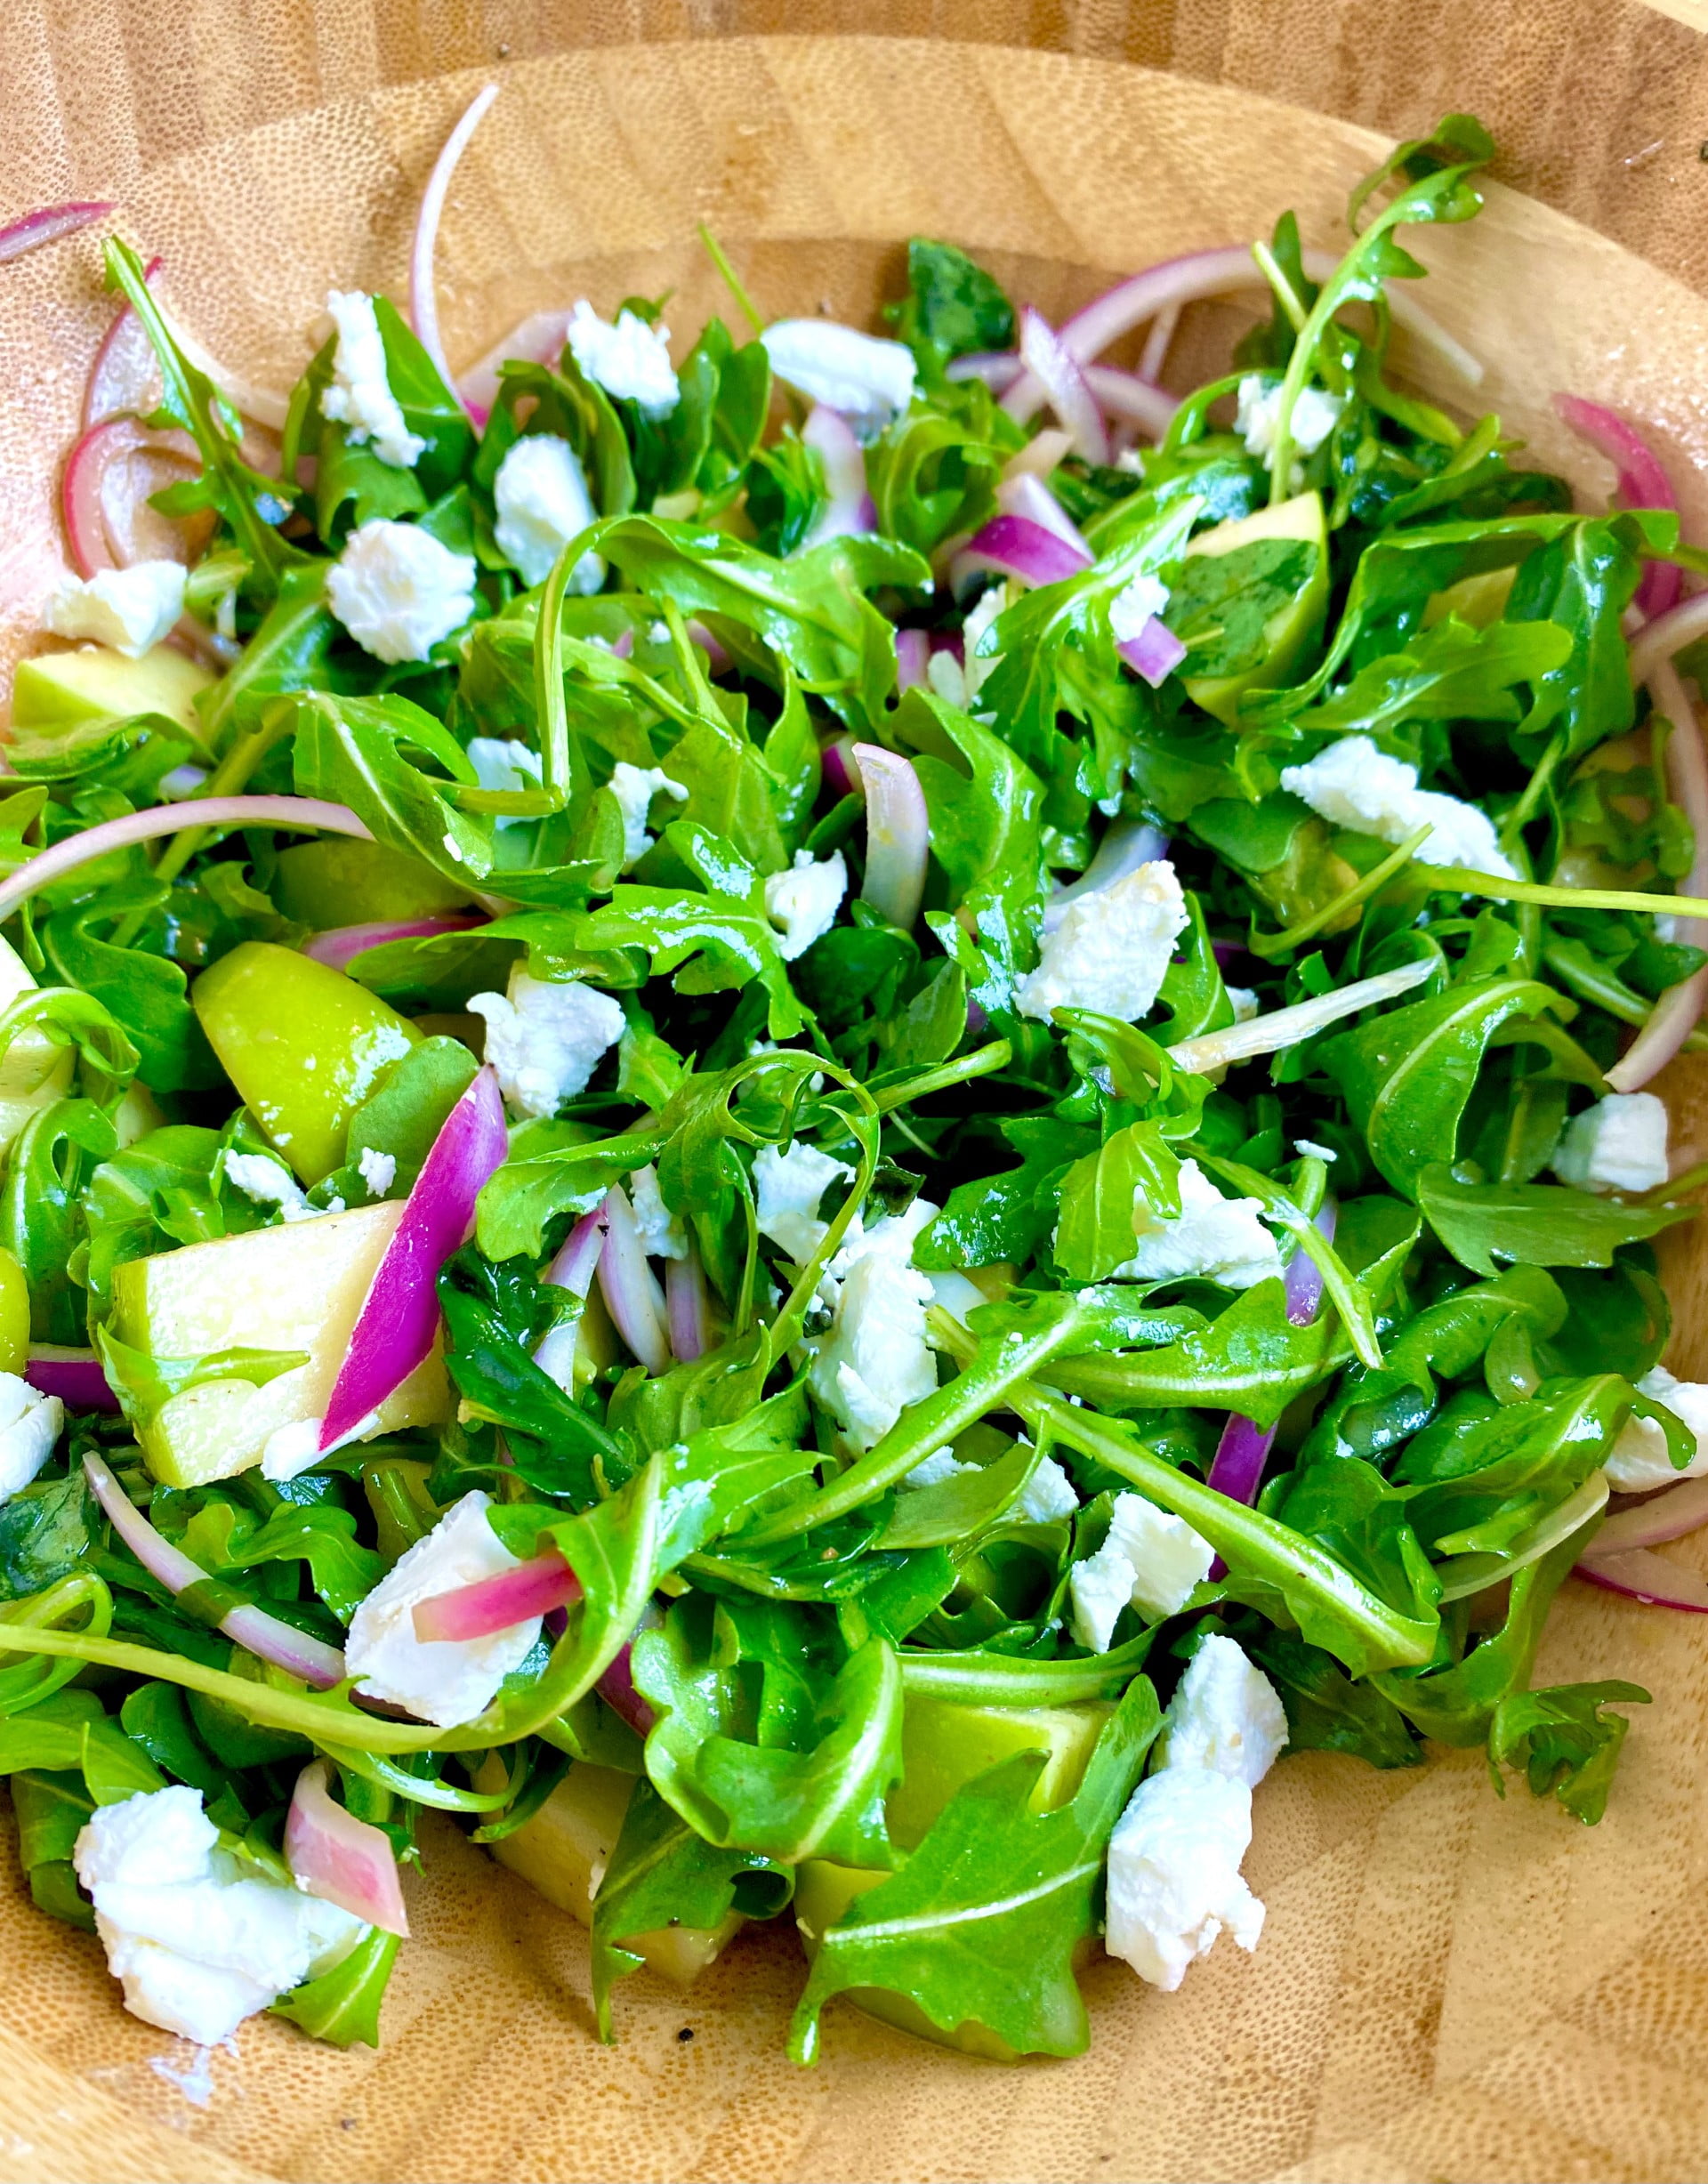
column 1293, row 624
column 57, row 690
column 564, row 1849
column 337, row 882
column 304, row 1044
column 298, row 1288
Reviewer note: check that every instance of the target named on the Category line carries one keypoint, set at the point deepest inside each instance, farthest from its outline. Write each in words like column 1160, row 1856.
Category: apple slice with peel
column 1293, row 624
column 57, row 690
column 297, row 1288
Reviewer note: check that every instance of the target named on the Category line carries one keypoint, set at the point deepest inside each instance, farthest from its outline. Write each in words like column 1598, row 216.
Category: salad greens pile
column 825, row 1675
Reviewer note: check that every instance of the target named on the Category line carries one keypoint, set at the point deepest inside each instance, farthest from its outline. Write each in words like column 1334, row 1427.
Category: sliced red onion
column 1303, row 1280
column 47, row 225
column 50, row 865
column 125, row 372
column 850, row 510
column 1672, row 1513
column 1016, row 546
column 842, row 776
column 74, row 1375
column 688, row 1307
column 424, row 299
column 999, row 368
column 395, row 1329
column 497, row 1603
column 1237, row 1469
column 341, row 1859
column 103, row 500
column 1668, row 635
column 912, row 655
column 1677, row 1011
column 1026, row 496
column 1126, row 844
column 577, row 1259
column 1124, row 395
column 717, row 658
column 630, row 1287
column 1154, row 654
column 340, row 947
column 898, row 835
column 1640, row 1575
column 1157, row 343
column 539, row 340
column 617, row 1688
column 1041, row 454
column 258, row 1632
column 1641, row 482
column 1279, row 1029
column 1057, row 370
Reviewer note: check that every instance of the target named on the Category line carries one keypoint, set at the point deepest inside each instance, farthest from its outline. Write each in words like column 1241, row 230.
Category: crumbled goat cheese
column 443, row 1681
column 661, row 1234
column 1174, row 1877
column 267, row 1181
column 545, row 1038
column 630, row 359
column 130, row 609
column 399, row 592
column 1315, row 414
column 932, row 1470
column 634, row 788
column 377, row 1170
column 1221, row 1238
column 1134, row 605
column 1224, row 1715
column 359, row 394
column 1149, row 1560
column 540, row 503
column 1639, row 1461
column 790, row 1186
column 875, row 1359
column 1618, row 1144
column 30, row 1426
column 1312, row 1150
column 501, row 762
column 1355, row 785
column 198, row 1943
column 1111, row 950
column 291, row 1450
column 957, row 1295
column 802, row 902
column 1243, row 1001
column 1047, row 1495
column 870, row 380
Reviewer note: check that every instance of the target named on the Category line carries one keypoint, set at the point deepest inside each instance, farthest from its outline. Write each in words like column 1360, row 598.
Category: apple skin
column 1290, row 628
column 304, row 1044
column 57, row 690
column 339, row 882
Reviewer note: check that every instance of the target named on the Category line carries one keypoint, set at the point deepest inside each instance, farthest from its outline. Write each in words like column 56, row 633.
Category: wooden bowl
column 1450, row 1985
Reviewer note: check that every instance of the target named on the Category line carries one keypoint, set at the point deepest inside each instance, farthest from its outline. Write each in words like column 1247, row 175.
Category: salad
column 817, row 1120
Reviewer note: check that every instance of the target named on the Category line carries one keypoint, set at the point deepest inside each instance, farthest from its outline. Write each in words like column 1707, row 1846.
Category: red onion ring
column 1640, row 1575
column 258, row 1632
column 1126, row 844
column 850, row 510
column 577, row 1259
column 497, row 1603
column 898, row 835
column 688, row 1308
column 1672, row 1513
column 1057, row 370
column 74, row 1375
column 424, row 299
column 1126, row 395
column 1157, row 343
column 1026, row 495
column 100, row 525
column 1641, row 482
column 630, row 1287
column 341, row 1859
column 1154, row 654
column 539, row 339
column 398, row 1320
column 341, row 944
column 913, row 655
column 123, row 374
column 47, row 225
column 1016, row 546
column 1041, row 454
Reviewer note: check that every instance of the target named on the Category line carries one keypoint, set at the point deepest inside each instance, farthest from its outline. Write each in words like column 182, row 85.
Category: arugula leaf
column 1540, row 1224
column 343, row 2006
column 1326, row 1710
column 352, row 750
column 1567, row 1746
column 1100, row 1196
column 953, row 307
column 1446, row 672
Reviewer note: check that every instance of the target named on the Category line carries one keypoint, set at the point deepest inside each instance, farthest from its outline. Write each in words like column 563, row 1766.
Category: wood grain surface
column 1450, row 1986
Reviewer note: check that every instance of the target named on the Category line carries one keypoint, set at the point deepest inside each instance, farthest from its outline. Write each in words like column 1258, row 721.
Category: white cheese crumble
column 1174, row 1877
column 1355, row 785
column 377, row 1170
column 540, row 503
column 1312, row 1150
column 1243, row 1001
column 198, row 1944
column 1047, row 1495
column 267, row 1181
column 802, row 902
column 545, row 1038
column 875, row 1359
column 1112, row 949
column 789, row 1187
column 661, row 1234
column 634, row 788
column 932, row 1470
column 1618, row 1144
column 1135, row 604
column 630, row 359
column 359, row 395
column 399, row 592
column 1315, row 414
column 1223, row 1239
column 30, row 1426
column 130, row 609
column 1225, row 1716
column 870, row 380
column 443, row 1681
column 1639, row 1461
column 1149, row 1561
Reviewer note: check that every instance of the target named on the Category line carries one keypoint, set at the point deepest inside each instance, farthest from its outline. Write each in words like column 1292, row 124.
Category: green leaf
column 1566, row 1746
column 1540, row 1224
column 953, row 307
column 156, row 1717
column 1327, row 1710
column 144, row 992
column 343, row 2006
column 51, row 1160
column 1450, row 672
column 352, row 750
column 1100, row 1196
column 981, row 1923
column 45, row 1528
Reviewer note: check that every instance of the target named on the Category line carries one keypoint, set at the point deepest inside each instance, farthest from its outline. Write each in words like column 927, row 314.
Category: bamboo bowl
column 1449, row 1986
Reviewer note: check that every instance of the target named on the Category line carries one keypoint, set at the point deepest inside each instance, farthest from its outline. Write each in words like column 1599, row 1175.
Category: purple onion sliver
column 577, row 1259
column 1062, row 378
column 1303, row 1278
column 1016, row 546
column 688, row 1308
column 47, row 226
column 1154, row 654
column 74, row 1376
column 629, row 1286
column 912, row 654
column 1024, row 494
column 842, row 775
column 1241, row 1454
column 898, row 835
column 340, row 947
column 850, row 509
column 554, row 1622
column 617, row 1688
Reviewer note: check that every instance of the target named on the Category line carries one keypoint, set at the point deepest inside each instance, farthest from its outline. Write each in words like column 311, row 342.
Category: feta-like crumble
column 1173, row 1873
column 1315, row 414
column 30, row 1426
column 932, row 1470
column 1224, row 1715
column 802, row 902
column 377, row 1170
column 1047, row 1495
column 788, row 1187
column 629, row 360
column 1353, row 785
column 1618, row 1144
column 130, row 609
column 540, row 503
column 661, row 1234
column 399, row 592
column 875, row 1359
column 634, row 788
column 267, row 1181
column 870, row 380
column 1136, row 603
column 1223, row 1239
column 1149, row 1560
column 1639, row 1461
column 545, row 1038
column 1112, row 949
column 360, row 396
column 443, row 1681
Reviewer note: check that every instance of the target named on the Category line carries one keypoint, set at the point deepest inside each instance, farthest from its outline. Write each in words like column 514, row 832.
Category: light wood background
column 1450, row 1986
